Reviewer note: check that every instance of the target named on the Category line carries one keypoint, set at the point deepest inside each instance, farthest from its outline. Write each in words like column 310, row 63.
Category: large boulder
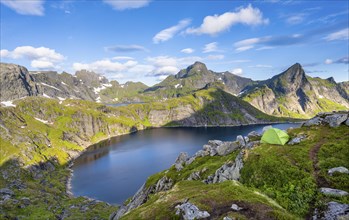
column 229, row 171
column 226, row 148
column 241, row 140
column 296, row 140
column 253, row 135
column 338, row 170
column 314, row 121
column 190, row 212
column 333, row 192
column 336, row 211
column 336, row 119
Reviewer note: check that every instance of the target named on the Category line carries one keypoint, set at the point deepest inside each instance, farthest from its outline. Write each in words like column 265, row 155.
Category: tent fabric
column 275, row 136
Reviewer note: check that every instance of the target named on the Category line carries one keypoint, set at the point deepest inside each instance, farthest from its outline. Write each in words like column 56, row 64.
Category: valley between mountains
column 48, row 119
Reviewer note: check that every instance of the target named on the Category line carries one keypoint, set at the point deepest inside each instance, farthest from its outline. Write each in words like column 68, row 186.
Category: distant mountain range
column 291, row 93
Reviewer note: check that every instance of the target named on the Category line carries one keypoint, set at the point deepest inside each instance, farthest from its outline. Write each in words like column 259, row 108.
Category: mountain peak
column 196, row 68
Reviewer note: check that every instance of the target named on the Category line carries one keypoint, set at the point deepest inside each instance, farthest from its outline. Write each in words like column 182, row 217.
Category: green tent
column 275, row 136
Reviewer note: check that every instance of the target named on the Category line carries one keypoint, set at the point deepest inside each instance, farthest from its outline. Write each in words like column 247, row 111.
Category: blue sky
column 148, row 40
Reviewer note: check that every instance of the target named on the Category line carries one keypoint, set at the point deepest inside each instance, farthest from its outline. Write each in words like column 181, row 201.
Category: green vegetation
column 286, row 173
column 283, row 181
column 256, row 93
column 214, row 198
column 44, row 197
column 327, row 105
column 321, row 82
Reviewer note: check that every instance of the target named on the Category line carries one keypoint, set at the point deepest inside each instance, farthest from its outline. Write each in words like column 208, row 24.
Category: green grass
column 214, row 198
column 286, row 173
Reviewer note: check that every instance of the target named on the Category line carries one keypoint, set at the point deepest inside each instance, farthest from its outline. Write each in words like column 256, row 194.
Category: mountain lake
column 113, row 170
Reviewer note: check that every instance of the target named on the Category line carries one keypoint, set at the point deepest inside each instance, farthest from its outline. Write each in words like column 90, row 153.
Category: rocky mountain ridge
column 17, row 82
column 291, row 93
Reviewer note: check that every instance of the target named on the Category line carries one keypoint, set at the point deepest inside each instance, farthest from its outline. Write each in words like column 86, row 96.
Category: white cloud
column 42, row 64
column 215, row 57
column 328, row 61
column 166, row 65
column 127, row 4
column 122, row 58
column 295, row 19
column 25, row 7
column 141, row 69
column 237, row 71
column 117, row 76
column 339, row 35
column 244, row 48
column 187, row 50
column 211, row 47
column 261, row 66
column 162, row 78
column 265, row 48
column 40, row 57
column 215, row 24
column 105, row 66
column 168, row 33
column 249, row 43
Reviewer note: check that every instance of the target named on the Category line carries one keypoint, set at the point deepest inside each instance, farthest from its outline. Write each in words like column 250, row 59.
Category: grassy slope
column 288, row 175
column 72, row 126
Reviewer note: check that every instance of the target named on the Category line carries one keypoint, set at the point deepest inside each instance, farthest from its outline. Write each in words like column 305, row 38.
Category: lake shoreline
column 69, row 190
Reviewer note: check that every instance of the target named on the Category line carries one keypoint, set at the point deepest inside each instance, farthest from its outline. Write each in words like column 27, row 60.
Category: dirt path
column 313, row 155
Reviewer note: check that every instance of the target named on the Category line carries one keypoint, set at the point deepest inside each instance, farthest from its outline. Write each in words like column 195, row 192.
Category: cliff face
column 16, row 82
column 294, row 94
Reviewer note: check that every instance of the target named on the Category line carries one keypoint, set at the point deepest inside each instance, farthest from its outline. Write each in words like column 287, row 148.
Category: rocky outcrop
column 333, row 119
column 229, row 171
column 180, row 161
column 296, row 140
column 337, row 170
column 336, row 211
column 189, row 211
column 336, row 119
column 333, row 192
column 142, row 195
column 16, row 82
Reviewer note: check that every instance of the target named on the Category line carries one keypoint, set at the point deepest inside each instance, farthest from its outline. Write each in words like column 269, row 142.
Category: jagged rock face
column 91, row 78
column 229, row 171
column 233, row 83
column 142, row 196
column 16, row 82
column 62, row 86
column 292, row 93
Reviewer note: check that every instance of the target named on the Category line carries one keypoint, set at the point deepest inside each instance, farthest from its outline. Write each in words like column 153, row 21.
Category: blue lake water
column 115, row 169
